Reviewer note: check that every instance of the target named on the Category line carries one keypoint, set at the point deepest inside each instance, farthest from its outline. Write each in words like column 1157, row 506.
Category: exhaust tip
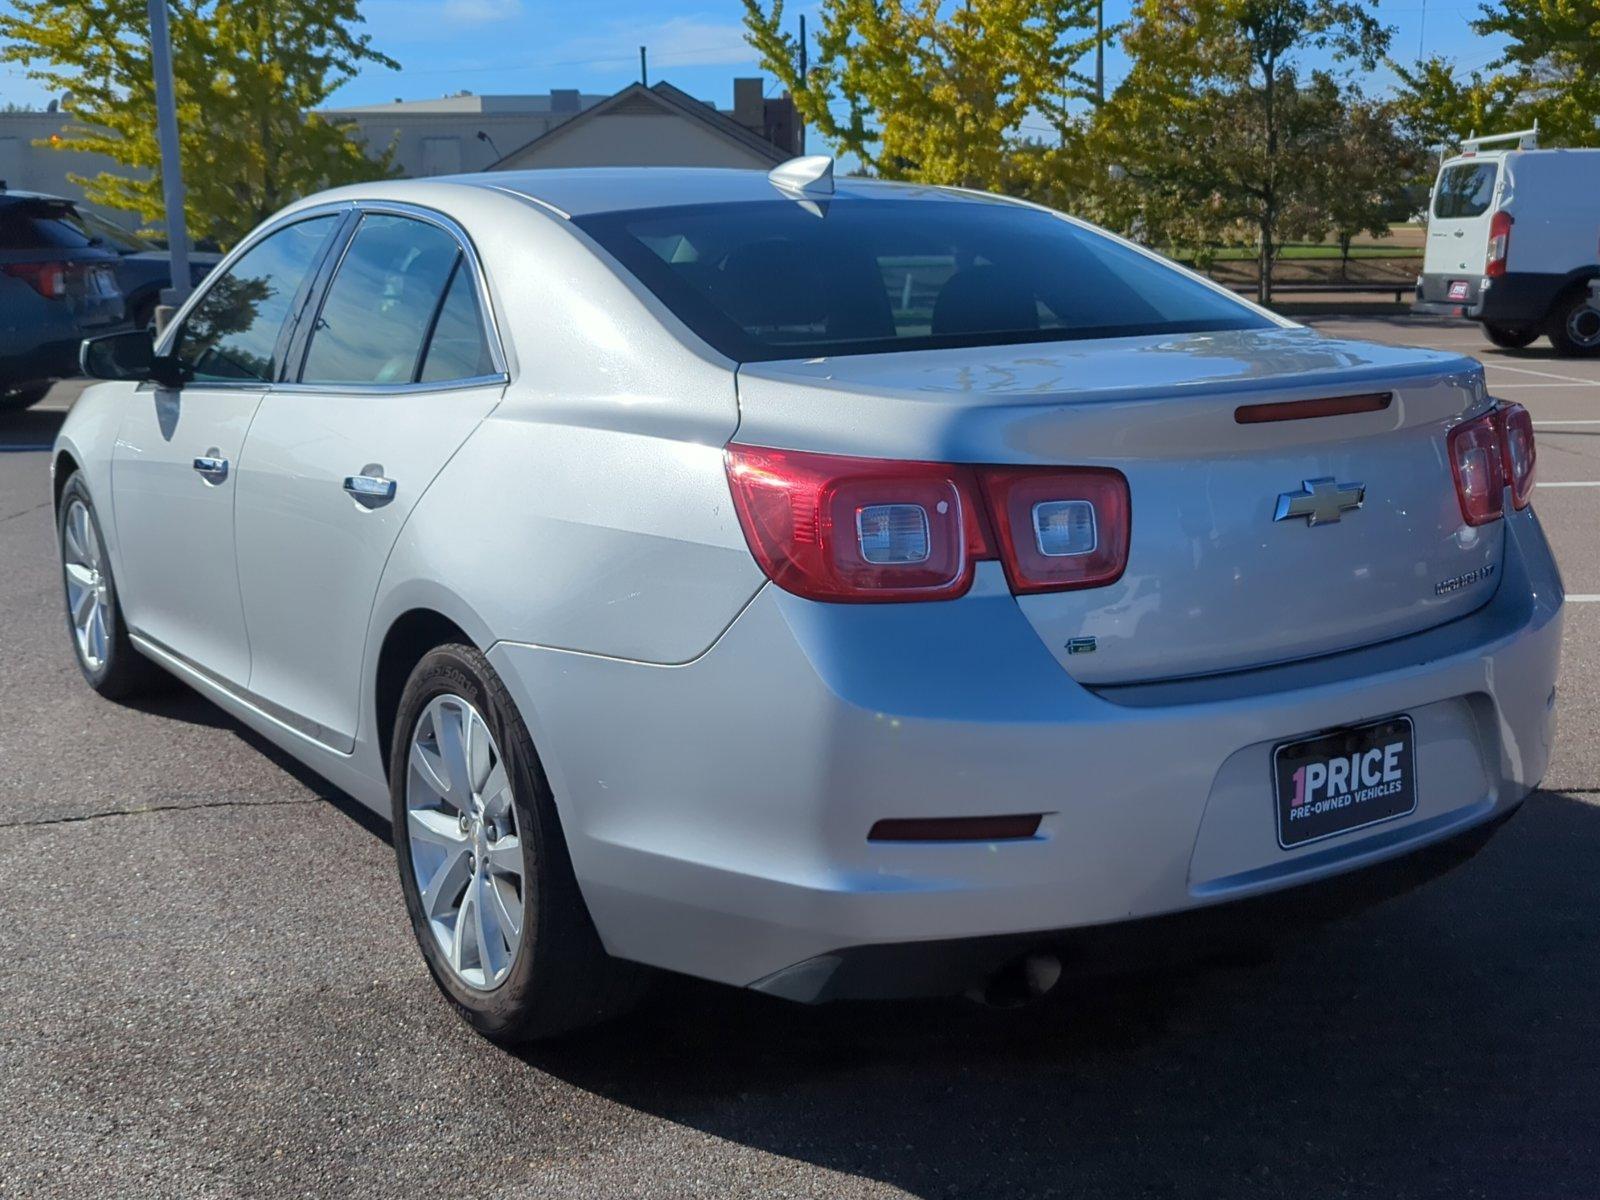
column 1019, row 982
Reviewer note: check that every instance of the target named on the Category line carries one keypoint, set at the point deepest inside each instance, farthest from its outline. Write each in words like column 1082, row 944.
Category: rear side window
column 42, row 225
column 1465, row 190
column 382, row 303
column 233, row 330
column 775, row 279
column 457, row 349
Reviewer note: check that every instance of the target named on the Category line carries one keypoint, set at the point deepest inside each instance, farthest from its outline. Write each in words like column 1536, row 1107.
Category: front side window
column 382, row 303
column 233, row 330
column 1465, row 190
column 767, row 280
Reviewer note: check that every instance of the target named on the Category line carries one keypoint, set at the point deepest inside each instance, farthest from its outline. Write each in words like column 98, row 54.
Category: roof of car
column 582, row 191
column 7, row 193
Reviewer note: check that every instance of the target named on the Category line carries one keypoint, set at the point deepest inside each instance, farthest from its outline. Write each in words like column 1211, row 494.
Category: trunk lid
column 1213, row 582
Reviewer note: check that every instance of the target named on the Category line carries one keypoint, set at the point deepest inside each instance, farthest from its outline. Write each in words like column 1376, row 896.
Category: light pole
column 171, row 168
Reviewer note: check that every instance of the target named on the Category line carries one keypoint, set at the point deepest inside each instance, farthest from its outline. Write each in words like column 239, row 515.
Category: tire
column 1574, row 326
column 1512, row 337
column 14, row 399
column 557, row 978
column 100, row 644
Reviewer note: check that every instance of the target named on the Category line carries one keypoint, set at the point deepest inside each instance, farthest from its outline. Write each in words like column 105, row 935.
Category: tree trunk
column 1269, row 200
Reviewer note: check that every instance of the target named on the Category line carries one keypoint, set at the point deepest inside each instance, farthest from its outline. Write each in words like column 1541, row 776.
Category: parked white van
column 1514, row 242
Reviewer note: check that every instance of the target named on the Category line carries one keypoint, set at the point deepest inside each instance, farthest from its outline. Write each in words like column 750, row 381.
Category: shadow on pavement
column 1442, row 1044
column 30, row 429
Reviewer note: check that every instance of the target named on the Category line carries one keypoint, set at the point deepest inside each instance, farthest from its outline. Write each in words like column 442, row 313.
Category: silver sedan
column 837, row 589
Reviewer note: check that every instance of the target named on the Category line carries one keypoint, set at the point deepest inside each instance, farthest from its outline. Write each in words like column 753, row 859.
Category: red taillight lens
column 1059, row 529
column 830, row 527
column 1478, row 463
column 49, row 279
column 1499, row 244
column 1520, row 455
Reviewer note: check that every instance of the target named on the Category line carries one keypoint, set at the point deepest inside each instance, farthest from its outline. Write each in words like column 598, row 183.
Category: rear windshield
column 42, row 225
column 1465, row 190
column 777, row 279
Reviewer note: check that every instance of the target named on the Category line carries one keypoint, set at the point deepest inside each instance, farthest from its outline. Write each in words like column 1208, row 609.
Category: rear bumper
column 952, row 967
column 1519, row 298
column 717, row 811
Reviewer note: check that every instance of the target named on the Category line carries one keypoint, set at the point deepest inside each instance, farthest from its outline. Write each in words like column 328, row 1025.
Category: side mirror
column 131, row 356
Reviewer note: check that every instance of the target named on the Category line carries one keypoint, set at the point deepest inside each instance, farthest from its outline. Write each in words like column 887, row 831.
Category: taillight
column 49, row 279
column 1499, row 244
column 1478, row 463
column 1059, row 529
column 830, row 527
column 1520, row 455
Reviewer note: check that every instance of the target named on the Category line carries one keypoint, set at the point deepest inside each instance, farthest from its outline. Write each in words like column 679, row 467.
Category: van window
column 1465, row 190
column 764, row 280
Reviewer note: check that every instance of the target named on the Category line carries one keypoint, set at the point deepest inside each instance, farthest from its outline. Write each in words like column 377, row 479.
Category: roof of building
column 558, row 101
column 660, row 96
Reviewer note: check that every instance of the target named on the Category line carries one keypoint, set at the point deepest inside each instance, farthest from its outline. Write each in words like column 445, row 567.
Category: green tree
column 247, row 75
column 1366, row 181
column 1219, row 130
column 919, row 93
column 1553, row 59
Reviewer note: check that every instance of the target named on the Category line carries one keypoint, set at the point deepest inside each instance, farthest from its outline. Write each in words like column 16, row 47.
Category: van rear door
column 1458, row 228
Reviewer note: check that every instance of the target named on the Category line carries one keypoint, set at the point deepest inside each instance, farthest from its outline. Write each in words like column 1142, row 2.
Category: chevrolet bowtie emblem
column 1320, row 501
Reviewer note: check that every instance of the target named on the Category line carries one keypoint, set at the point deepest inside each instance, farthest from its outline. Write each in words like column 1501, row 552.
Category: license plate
column 1344, row 780
column 102, row 282
column 1458, row 289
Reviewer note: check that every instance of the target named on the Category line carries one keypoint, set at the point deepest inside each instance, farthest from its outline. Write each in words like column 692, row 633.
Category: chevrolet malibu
column 837, row 590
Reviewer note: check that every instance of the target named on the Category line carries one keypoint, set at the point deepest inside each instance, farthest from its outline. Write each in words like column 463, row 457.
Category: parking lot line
column 1546, row 424
column 1498, row 366
column 1584, row 598
column 1572, row 483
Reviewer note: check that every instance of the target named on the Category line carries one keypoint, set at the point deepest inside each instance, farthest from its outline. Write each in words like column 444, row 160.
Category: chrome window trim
column 480, row 281
column 480, row 284
column 168, row 335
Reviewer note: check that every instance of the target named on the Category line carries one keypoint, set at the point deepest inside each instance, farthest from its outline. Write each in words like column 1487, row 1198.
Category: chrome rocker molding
column 208, row 682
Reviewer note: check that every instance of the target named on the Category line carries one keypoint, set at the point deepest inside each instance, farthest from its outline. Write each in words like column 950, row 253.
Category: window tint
column 772, row 279
column 457, row 349
column 42, row 225
column 381, row 303
column 1465, row 190
column 232, row 331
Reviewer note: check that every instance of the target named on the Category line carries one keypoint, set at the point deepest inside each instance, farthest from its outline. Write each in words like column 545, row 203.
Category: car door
column 398, row 367
column 175, row 460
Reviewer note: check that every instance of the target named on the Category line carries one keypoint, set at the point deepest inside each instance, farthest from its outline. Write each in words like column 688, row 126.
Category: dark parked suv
column 58, row 285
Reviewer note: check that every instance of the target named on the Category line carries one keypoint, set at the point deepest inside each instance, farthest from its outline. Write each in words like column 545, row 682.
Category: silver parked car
column 835, row 590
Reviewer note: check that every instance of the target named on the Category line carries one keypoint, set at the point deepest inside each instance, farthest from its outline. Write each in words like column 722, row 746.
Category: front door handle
column 211, row 466
column 370, row 489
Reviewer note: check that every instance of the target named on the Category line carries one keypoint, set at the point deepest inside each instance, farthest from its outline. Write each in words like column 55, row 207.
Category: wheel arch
column 62, row 466
column 410, row 636
column 1576, row 281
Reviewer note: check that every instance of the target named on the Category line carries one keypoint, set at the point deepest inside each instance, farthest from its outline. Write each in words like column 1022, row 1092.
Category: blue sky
column 533, row 45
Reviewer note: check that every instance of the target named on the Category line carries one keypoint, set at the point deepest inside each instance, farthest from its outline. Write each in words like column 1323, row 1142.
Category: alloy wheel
column 88, row 588
column 1583, row 326
column 466, row 848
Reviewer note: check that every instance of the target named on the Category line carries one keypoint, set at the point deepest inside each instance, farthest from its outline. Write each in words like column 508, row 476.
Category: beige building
column 661, row 126
column 638, row 126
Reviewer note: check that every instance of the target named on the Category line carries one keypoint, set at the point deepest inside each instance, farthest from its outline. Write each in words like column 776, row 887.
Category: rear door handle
column 211, row 467
column 371, row 489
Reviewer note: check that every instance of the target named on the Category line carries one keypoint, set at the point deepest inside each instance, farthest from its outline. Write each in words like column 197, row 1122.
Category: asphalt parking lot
column 208, row 987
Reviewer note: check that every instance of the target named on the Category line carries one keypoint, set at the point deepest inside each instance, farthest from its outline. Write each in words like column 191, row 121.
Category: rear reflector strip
column 956, row 829
column 1303, row 410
